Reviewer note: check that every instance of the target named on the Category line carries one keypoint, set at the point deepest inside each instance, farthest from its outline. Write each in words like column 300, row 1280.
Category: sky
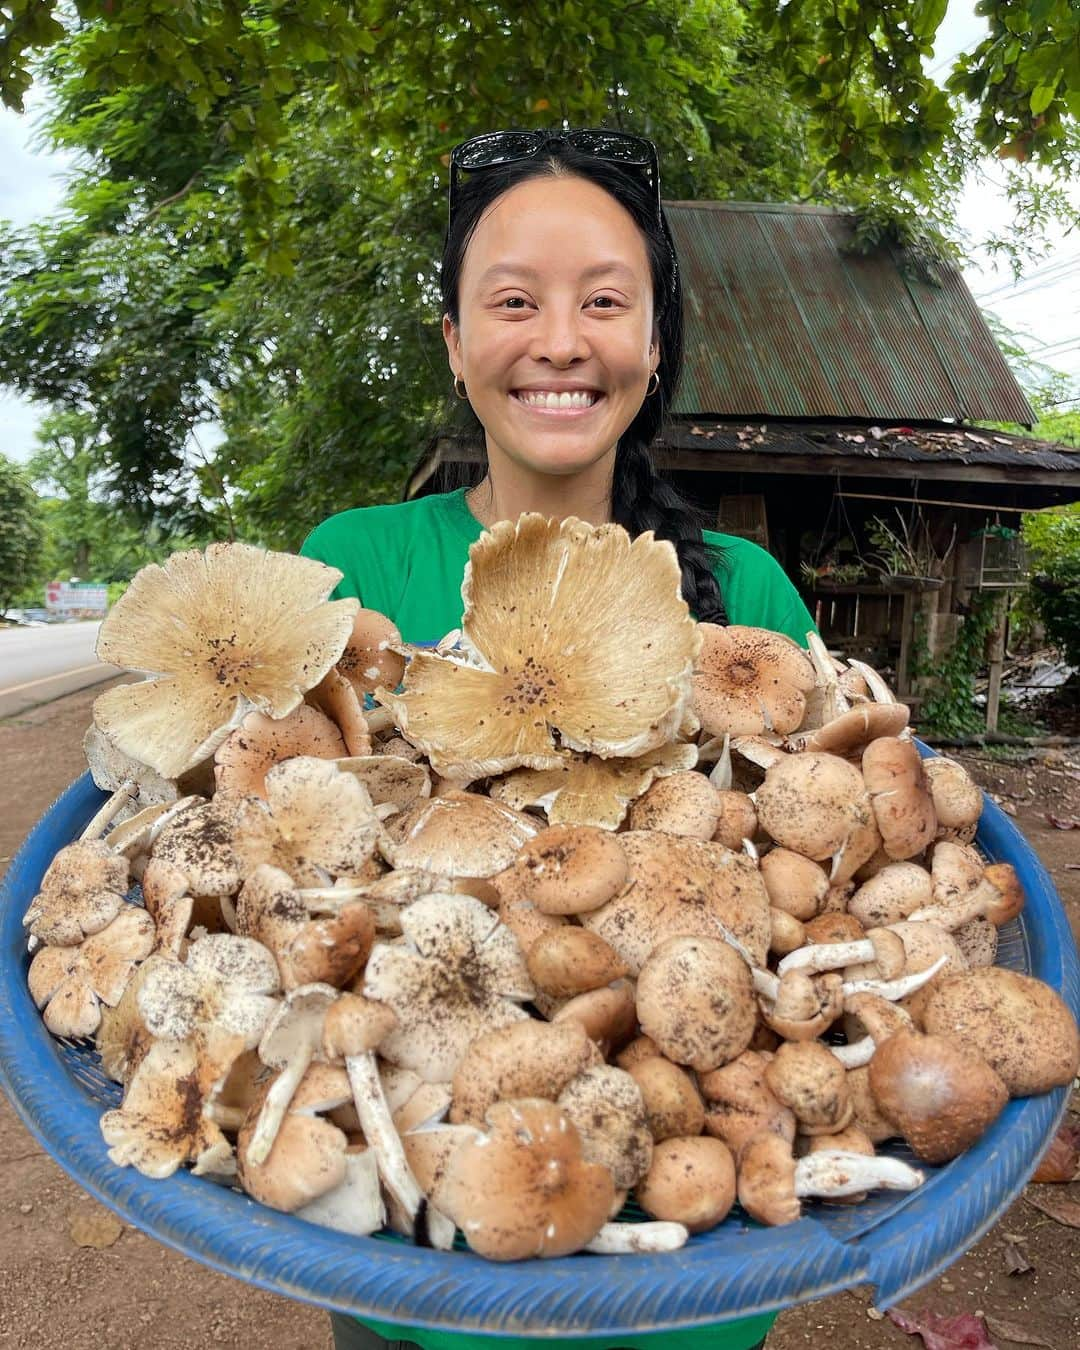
column 1043, row 307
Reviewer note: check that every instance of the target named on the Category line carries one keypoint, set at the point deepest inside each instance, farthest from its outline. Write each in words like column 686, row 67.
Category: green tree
column 22, row 533
column 1053, row 543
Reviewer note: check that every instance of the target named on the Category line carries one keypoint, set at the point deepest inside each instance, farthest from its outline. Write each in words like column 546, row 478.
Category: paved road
column 39, row 664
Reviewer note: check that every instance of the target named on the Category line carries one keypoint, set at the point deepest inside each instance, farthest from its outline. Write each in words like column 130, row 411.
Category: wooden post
column 997, row 659
column 907, row 634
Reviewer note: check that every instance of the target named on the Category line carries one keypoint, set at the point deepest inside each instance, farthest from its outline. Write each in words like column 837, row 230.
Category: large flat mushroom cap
column 750, row 680
column 683, row 886
column 582, row 630
column 812, row 803
column 244, row 758
column 220, row 632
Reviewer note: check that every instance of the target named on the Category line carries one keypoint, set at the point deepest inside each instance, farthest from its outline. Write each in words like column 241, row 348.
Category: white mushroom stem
column 617, row 1239
column 894, row 989
column 378, row 1128
column 856, row 1053
column 765, row 982
column 276, row 1103
column 833, row 1173
column 836, row 701
column 750, row 849
column 720, row 777
column 125, row 793
column 228, row 912
column 950, row 917
column 828, row 956
column 227, row 1117
column 877, row 686
column 378, row 719
column 385, row 810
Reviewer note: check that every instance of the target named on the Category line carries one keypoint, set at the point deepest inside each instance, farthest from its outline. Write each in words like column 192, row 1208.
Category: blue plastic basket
column 896, row 1243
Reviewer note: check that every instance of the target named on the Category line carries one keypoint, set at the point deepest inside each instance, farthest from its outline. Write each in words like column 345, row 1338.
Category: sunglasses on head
column 505, row 147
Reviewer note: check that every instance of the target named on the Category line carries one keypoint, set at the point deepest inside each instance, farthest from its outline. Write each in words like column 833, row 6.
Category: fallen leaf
column 963, row 1332
column 1061, row 1161
column 94, row 1228
column 1058, row 1207
column 1062, row 822
column 1015, row 1331
column 1016, row 1262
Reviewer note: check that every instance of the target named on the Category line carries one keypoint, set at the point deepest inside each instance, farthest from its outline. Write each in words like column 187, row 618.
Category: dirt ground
column 132, row 1292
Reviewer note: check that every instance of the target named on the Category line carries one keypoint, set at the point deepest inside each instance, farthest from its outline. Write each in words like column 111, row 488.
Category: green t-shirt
column 407, row 561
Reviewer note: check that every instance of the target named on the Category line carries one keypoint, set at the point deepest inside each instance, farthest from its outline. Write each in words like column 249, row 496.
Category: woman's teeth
column 543, row 399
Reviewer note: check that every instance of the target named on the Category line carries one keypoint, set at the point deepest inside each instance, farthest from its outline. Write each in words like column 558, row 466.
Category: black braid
column 642, row 500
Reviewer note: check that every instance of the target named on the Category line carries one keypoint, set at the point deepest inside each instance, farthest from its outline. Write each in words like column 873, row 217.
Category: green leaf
column 1041, row 97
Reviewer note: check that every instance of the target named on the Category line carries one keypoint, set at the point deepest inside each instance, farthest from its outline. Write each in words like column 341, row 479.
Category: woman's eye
column 611, row 301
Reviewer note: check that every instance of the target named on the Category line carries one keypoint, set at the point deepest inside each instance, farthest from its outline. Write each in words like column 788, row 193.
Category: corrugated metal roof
column 781, row 322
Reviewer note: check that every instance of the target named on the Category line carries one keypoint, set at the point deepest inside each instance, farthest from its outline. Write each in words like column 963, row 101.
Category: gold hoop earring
column 458, row 380
column 655, row 387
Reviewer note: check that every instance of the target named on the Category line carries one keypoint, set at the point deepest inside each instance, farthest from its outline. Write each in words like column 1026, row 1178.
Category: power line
column 1040, row 276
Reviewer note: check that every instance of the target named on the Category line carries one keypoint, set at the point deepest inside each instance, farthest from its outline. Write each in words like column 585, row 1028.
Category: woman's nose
column 560, row 336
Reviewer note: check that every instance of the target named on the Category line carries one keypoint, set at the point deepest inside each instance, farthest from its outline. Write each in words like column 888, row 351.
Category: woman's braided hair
column 641, row 498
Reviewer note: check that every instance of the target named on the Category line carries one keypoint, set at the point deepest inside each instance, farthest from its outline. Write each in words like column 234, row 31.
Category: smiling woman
column 562, row 318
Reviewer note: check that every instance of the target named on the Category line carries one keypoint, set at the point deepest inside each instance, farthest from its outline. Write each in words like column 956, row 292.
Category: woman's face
column 555, row 294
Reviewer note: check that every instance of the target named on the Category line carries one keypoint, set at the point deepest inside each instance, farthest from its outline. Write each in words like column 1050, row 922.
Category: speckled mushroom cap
column 523, row 1189
column 955, row 871
column 568, row 869
column 695, row 999
column 389, row 778
column 683, row 803
column 337, row 699
column 81, row 892
column 856, row 727
column 740, row 1103
column 807, row 1077
column 459, row 973
column 307, row 1158
column 766, row 1180
column 70, row 983
column 324, row 818
column 369, row 658
column 673, row 1105
column 682, row 886
column 891, row 894
column 214, row 845
column 957, row 798
column 1018, row 1024
column 223, row 631
column 527, row 1059
column 242, row 760
column 606, row 1106
column 750, row 680
column 941, row 1095
column 817, row 804
column 582, row 630
column 462, row 834
column 588, row 790
column 903, row 808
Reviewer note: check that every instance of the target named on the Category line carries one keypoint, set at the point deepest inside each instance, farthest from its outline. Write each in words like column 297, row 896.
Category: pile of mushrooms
column 589, row 901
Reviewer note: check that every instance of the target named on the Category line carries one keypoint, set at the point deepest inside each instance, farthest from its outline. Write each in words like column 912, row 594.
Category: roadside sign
column 83, row 596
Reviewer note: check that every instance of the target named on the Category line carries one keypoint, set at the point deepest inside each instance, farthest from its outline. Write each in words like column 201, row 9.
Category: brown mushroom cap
column 750, row 680
column 639, row 1049
column 853, row 729
column 867, row 1114
column 682, row 886
column 741, row 1104
column 569, row 960
column 528, row 1059
column 738, row 818
column 903, row 808
column 691, row 1181
column 957, row 799
column 766, row 1180
column 795, row 884
column 1017, row 1024
column 81, row 892
column 307, row 1158
column 673, row 1105
column 810, row 1080
column 683, row 803
column 368, row 660
column 524, row 1189
column 695, row 999
column 942, row 1095
column 242, row 760
column 569, row 869
column 607, row 1014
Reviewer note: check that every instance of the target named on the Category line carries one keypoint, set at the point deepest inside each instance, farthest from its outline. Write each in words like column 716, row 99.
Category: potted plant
column 906, row 558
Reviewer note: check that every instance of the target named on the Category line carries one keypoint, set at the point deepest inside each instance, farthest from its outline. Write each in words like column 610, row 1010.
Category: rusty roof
column 782, row 322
